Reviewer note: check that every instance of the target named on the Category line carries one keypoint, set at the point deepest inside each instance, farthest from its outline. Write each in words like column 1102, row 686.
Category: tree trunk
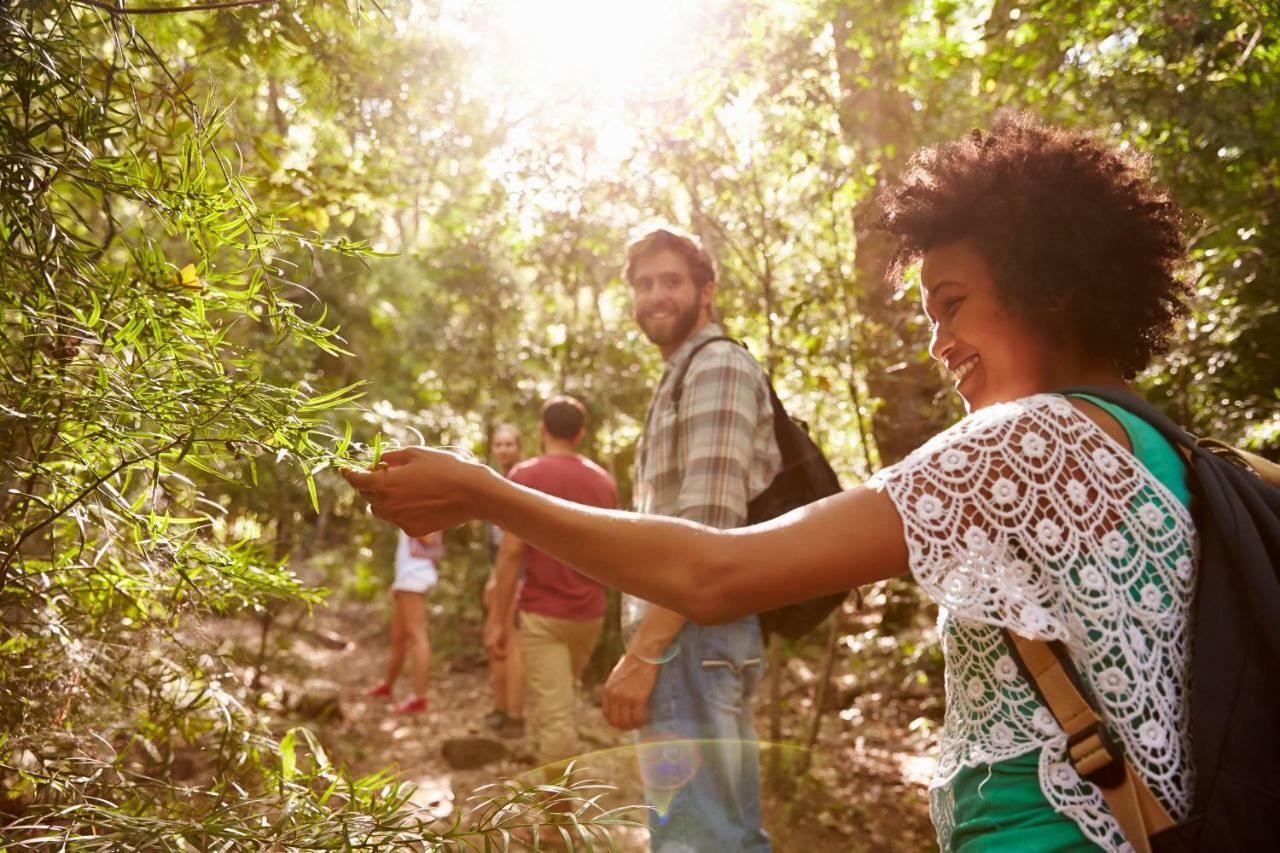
column 879, row 121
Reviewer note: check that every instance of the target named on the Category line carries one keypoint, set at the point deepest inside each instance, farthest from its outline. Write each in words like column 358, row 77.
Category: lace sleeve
column 1027, row 516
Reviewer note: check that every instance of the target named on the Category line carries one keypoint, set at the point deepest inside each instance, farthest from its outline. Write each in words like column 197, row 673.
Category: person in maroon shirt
column 560, row 612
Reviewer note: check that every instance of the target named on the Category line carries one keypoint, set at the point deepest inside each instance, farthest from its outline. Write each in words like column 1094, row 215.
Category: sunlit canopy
column 587, row 53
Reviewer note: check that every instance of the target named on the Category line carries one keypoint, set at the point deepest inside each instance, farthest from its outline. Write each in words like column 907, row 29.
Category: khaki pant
column 555, row 653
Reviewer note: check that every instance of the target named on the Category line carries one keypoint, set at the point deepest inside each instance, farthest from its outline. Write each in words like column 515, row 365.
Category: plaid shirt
column 709, row 460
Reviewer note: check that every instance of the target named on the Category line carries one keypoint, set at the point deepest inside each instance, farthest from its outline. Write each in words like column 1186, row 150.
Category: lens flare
column 672, row 649
column 666, row 763
column 663, row 763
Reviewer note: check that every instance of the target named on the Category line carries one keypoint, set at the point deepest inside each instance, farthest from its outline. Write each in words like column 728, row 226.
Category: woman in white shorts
column 416, row 559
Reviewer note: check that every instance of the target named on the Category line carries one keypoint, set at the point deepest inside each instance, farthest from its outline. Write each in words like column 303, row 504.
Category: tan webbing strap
column 1264, row 468
column 1139, row 813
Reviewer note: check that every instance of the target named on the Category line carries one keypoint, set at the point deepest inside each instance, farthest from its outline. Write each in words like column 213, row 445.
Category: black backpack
column 805, row 477
column 1235, row 655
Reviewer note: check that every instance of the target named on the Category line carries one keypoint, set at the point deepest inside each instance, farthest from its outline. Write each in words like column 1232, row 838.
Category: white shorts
column 415, row 570
column 415, row 577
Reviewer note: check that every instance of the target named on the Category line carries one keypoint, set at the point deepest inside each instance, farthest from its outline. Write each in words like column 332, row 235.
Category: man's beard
column 685, row 320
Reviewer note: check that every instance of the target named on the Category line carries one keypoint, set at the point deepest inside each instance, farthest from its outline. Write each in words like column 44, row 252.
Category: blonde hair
column 507, row 427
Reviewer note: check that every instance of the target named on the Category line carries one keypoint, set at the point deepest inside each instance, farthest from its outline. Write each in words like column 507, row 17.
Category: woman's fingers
column 362, row 481
column 369, row 482
column 402, row 456
column 412, row 491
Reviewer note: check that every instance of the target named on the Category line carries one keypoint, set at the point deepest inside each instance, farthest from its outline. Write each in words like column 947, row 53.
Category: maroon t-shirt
column 550, row 587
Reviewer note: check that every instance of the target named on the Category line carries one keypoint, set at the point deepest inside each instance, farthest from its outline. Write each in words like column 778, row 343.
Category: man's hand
column 419, row 490
column 495, row 638
column 626, row 693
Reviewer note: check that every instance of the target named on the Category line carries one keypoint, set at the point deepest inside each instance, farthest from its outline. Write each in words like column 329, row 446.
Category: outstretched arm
column 708, row 575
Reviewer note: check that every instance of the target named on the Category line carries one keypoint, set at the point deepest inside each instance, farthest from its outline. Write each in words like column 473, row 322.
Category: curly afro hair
column 1079, row 242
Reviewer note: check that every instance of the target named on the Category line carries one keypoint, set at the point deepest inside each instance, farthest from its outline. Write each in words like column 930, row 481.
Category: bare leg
column 514, row 671
column 398, row 637
column 413, row 607
column 500, row 679
column 499, row 670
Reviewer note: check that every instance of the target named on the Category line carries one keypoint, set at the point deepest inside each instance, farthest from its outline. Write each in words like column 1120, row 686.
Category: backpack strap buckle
column 1096, row 756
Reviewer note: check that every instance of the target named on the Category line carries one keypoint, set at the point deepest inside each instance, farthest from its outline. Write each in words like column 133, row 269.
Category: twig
column 168, row 10
column 1244, row 57
column 774, row 671
column 98, row 481
column 84, row 493
column 820, row 694
column 267, row 618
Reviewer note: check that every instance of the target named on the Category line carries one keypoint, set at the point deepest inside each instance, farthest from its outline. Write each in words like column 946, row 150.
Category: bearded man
column 706, row 452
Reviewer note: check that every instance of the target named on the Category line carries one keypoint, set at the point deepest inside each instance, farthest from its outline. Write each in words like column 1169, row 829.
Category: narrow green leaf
column 341, row 450
column 288, row 755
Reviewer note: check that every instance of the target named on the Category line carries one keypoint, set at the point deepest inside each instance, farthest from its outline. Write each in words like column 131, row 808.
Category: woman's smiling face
column 991, row 353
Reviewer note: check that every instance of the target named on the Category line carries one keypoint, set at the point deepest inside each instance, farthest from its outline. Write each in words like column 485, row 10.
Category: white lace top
column 1027, row 516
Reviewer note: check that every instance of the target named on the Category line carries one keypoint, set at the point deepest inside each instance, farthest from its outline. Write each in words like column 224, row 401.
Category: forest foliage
column 235, row 246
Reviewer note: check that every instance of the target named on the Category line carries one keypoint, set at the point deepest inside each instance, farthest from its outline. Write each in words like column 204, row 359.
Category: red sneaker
column 416, row 705
column 382, row 691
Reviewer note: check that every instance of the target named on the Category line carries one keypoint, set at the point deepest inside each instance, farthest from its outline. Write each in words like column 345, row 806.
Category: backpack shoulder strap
column 677, row 391
column 1131, row 402
column 781, row 420
column 1090, row 748
column 1266, row 469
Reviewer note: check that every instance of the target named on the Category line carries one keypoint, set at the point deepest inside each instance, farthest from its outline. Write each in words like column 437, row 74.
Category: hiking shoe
column 495, row 718
column 382, row 691
column 512, row 727
column 416, row 705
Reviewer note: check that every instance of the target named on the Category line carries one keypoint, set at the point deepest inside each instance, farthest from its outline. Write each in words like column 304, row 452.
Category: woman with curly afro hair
column 1047, row 260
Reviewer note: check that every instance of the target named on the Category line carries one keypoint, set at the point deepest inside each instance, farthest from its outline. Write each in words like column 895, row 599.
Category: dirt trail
column 860, row 797
column 368, row 736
